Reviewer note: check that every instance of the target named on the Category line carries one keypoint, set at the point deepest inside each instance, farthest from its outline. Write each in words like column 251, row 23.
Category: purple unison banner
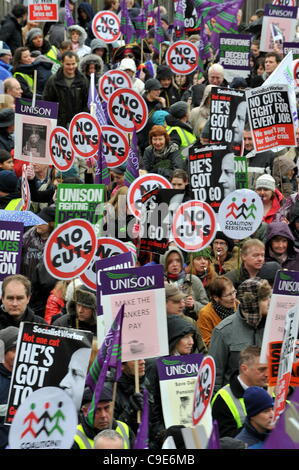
column 141, row 290
column 177, row 375
column 122, row 261
column 11, row 241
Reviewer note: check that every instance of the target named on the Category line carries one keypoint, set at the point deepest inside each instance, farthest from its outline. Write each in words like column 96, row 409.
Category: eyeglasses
column 231, row 294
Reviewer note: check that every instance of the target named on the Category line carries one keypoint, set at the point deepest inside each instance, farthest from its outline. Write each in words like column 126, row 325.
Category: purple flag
column 286, row 431
column 132, row 169
column 141, row 441
column 179, row 15
column 100, row 115
column 140, row 24
column 126, row 25
column 214, row 437
column 68, row 15
column 109, row 355
column 149, row 8
column 158, row 33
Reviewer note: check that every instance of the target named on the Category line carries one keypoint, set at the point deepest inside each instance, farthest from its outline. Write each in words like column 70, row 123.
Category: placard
column 234, row 55
column 241, row 214
column 113, row 80
column 79, row 201
column 39, row 11
column 11, row 241
column 47, row 355
column 85, row 134
column 194, row 226
column 203, row 389
column 106, row 26
column 270, row 116
column 143, row 184
column 285, row 18
column 70, row 249
column 182, row 57
column 34, row 126
column 61, row 151
column 115, row 146
column 127, row 110
column 177, row 375
column 107, row 247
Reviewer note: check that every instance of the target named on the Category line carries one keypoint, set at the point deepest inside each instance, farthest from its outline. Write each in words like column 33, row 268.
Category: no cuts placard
column 61, row 151
column 85, row 133
column 106, row 26
column 70, row 249
column 115, row 146
column 182, row 57
column 127, row 110
column 112, row 81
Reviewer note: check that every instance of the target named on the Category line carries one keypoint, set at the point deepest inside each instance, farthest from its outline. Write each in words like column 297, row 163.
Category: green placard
column 79, row 201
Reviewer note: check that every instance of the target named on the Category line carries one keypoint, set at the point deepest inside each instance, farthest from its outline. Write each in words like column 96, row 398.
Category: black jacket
column 29, row 315
column 69, row 320
column 72, row 100
column 11, row 32
column 5, row 378
column 6, row 141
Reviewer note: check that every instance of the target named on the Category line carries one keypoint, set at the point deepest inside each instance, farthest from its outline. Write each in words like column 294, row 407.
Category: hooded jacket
column 200, row 115
column 282, row 165
column 282, row 229
column 43, row 66
column 11, row 32
column 69, row 320
column 86, row 24
column 276, row 203
column 171, row 121
column 92, row 59
column 56, row 32
column 83, row 48
column 187, row 282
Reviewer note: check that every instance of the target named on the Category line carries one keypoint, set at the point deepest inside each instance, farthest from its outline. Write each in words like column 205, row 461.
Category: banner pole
column 137, row 387
column 113, row 403
column 34, row 88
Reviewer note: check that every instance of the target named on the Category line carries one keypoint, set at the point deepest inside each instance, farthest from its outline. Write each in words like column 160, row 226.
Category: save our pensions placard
column 270, row 116
column 144, row 331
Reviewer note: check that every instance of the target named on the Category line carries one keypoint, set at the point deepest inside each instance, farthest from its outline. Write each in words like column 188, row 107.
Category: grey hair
column 110, row 434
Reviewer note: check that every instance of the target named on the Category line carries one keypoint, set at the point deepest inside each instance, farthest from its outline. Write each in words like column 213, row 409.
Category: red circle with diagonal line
column 106, row 26
column 115, row 146
column 113, row 80
column 182, row 57
column 127, row 110
column 194, row 225
column 203, row 388
column 89, row 277
column 85, row 134
column 61, row 151
column 70, row 249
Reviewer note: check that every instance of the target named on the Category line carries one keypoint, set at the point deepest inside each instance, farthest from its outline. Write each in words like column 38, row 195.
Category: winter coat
column 207, row 320
column 92, row 59
column 294, row 214
column 177, row 327
column 5, row 378
column 268, row 271
column 250, row 435
column 43, row 67
column 86, row 24
column 11, row 32
column 276, row 203
column 72, row 100
column 42, row 284
column 221, row 412
column 163, row 165
column 282, row 165
column 229, row 338
column 171, row 95
column 9, row 320
column 69, row 320
column 123, row 410
column 5, row 70
column 174, row 135
column 5, row 200
column 54, row 306
column 230, row 263
column 258, row 164
column 282, row 229
column 188, row 283
column 32, row 252
column 56, row 31
column 200, row 115
column 142, row 136
column 6, row 140
column 91, row 432
column 83, row 48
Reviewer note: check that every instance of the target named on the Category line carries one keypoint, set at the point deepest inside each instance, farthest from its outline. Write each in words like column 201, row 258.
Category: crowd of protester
column 217, row 300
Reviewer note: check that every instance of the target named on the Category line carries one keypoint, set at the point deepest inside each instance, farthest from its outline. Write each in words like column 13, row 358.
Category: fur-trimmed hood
column 91, row 59
column 83, row 34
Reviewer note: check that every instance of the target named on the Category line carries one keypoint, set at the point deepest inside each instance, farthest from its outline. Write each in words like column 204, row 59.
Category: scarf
column 279, row 258
column 222, row 312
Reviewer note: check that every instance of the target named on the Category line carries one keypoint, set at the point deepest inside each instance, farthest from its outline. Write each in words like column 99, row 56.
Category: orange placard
column 273, row 361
